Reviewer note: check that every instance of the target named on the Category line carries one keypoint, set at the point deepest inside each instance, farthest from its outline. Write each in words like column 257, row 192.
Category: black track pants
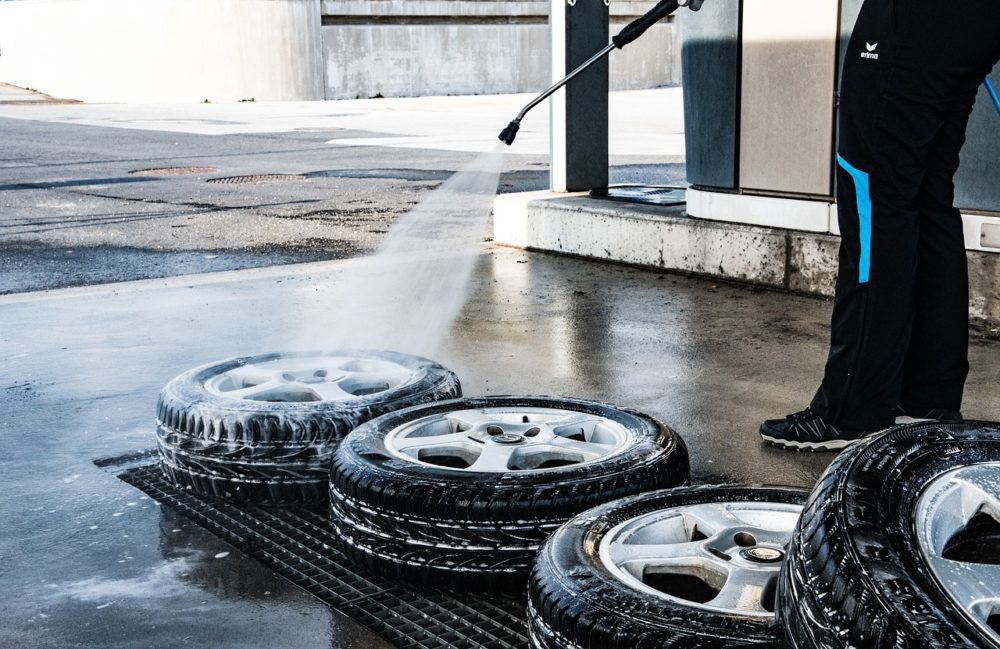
column 900, row 316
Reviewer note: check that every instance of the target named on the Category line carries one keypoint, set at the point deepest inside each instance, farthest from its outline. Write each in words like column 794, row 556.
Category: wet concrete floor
column 89, row 562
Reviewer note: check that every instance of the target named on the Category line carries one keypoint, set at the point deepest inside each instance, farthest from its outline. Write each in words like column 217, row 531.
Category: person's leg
column 877, row 253
column 891, row 116
column 882, row 153
column 937, row 360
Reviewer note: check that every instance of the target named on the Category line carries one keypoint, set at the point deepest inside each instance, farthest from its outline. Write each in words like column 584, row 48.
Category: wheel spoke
column 468, row 419
column 493, row 458
column 254, row 390
column 744, row 589
column 573, row 423
column 590, row 450
column 450, row 440
column 659, row 554
column 369, row 378
column 717, row 517
column 253, row 374
column 979, row 492
column 329, row 391
column 970, row 582
column 777, row 539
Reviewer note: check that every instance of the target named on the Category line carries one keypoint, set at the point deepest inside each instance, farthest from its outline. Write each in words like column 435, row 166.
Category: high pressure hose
column 632, row 31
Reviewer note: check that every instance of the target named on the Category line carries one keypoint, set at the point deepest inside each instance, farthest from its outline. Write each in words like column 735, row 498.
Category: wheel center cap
column 508, row 438
column 763, row 555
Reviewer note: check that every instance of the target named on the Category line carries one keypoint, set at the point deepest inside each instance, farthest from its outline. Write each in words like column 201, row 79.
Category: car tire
column 901, row 532
column 429, row 522
column 262, row 429
column 589, row 589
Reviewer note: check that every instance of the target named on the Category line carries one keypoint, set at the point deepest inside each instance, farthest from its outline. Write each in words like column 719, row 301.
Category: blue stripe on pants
column 861, row 188
column 993, row 94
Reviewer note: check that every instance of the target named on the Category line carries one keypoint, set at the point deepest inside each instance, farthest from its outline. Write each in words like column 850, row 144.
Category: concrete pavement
column 643, row 122
column 78, row 205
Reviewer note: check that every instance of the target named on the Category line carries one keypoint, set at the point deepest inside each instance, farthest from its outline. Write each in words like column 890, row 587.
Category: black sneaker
column 912, row 415
column 807, row 431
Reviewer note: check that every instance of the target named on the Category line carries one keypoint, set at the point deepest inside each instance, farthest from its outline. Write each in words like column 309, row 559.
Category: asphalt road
column 74, row 211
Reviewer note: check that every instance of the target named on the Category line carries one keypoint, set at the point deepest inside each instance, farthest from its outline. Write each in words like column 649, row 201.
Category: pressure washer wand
column 632, row 31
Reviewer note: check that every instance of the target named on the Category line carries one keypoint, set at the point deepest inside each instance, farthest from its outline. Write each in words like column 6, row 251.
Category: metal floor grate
column 254, row 179
column 297, row 542
column 660, row 195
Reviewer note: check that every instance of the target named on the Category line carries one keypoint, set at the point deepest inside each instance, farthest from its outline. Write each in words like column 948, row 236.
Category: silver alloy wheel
column 734, row 548
column 498, row 440
column 303, row 378
column 945, row 508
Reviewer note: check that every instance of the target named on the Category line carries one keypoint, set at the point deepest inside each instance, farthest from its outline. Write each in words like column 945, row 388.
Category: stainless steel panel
column 710, row 68
column 788, row 80
column 710, row 64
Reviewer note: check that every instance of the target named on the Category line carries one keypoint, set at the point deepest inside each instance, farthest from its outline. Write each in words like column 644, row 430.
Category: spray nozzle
column 508, row 134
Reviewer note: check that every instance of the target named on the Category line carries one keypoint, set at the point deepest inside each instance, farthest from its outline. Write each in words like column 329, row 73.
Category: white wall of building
column 163, row 50
column 227, row 50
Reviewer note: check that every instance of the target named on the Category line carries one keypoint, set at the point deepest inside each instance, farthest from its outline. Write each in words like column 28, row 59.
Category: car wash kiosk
column 760, row 80
column 760, row 102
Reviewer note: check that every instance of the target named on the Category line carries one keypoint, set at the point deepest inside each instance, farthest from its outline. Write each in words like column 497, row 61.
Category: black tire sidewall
column 920, row 453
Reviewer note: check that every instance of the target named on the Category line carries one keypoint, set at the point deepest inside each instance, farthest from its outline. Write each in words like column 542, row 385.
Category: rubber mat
column 297, row 543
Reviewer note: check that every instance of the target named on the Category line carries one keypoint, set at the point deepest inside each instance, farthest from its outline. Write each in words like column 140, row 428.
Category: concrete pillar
column 579, row 126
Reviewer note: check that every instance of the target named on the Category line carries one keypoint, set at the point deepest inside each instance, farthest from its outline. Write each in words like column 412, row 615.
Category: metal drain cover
column 256, row 178
column 173, row 171
column 661, row 195
column 296, row 542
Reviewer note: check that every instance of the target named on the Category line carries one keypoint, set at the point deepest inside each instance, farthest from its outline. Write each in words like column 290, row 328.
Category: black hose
column 638, row 27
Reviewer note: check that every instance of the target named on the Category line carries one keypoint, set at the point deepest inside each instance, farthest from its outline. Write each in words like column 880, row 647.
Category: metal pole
column 579, row 126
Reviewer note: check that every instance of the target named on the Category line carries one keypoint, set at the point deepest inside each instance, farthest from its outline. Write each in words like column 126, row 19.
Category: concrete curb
column 667, row 238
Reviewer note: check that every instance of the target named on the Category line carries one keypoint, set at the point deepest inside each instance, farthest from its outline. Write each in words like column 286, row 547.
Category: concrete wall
column 398, row 48
column 163, row 50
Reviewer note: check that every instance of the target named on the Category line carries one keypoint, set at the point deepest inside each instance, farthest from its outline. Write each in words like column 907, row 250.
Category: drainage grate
column 256, row 178
column 173, row 171
column 644, row 194
column 296, row 542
